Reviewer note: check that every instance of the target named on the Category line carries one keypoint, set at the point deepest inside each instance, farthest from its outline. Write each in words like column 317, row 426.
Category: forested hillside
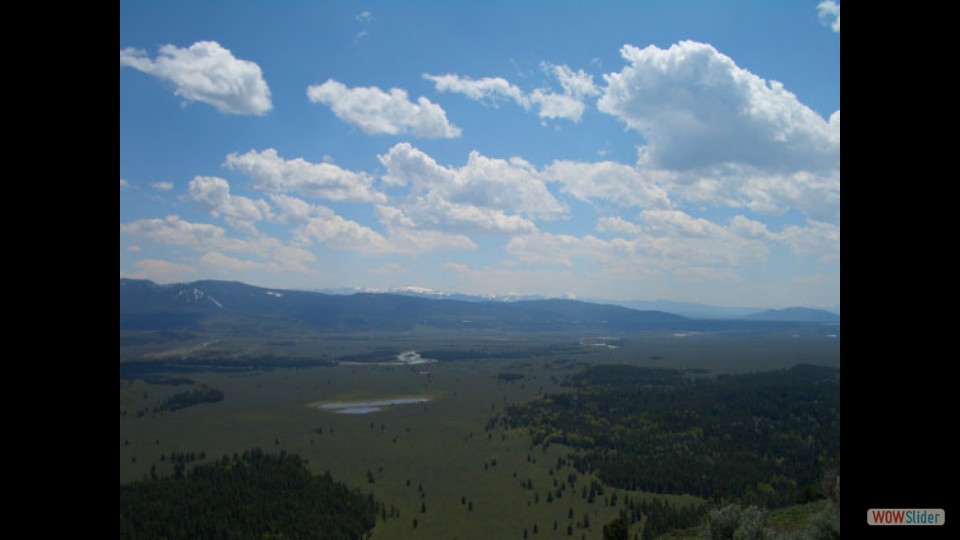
column 764, row 438
column 251, row 496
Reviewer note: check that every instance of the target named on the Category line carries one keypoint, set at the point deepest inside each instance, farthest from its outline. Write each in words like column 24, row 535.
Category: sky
column 680, row 150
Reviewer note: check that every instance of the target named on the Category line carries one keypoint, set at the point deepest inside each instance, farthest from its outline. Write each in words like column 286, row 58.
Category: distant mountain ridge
column 423, row 292
column 145, row 305
column 795, row 314
column 691, row 310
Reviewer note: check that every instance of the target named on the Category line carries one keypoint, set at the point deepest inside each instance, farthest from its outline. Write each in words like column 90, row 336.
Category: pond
column 366, row 407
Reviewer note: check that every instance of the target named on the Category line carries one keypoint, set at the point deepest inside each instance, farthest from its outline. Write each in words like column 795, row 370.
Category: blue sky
column 681, row 150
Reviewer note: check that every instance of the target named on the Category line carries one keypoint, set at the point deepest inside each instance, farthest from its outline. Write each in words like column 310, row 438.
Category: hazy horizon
column 681, row 151
column 441, row 293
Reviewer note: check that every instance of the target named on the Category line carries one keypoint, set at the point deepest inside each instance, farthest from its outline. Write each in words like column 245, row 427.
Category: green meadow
column 438, row 463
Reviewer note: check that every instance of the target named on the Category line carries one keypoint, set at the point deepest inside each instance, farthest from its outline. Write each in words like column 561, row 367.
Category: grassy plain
column 441, row 446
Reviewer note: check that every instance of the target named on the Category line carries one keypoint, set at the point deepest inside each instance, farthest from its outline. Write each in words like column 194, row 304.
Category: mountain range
column 145, row 305
column 691, row 310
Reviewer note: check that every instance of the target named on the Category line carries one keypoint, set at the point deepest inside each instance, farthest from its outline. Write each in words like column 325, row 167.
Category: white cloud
column 176, row 232
column 214, row 194
column 569, row 105
column 162, row 186
column 273, row 174
column 748, row 228
column 406, row 237
column 124, row 184
column 829, row 13
column 489, row 90
column 277, row 260
column 817, row 194
column 555, row 106
column 377, row 112
column 208, row 73
column 663, row 240
column 607, row 180
column 365, row 16
column 133, row 249
column 696, row 108
column 321, row 224
column 333, row 230
column 577, row 84
column 562, row 249
column 679, row 240
column 676, row 223
column 734, row 186
column 407, row 240
column 206, row 238
column 293, row 210
column 714, row 134
column 618, row 225
column 162, row 271
column 486, row 195
column 815, row 239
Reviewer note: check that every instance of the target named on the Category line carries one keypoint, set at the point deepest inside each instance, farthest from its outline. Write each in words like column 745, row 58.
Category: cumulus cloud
column 713, row 134
column 315, row 223
column 677, row 223
column 172, row 230
column 208, row 73
column 273, row 174
column 377, row 112
column 124, row 184
column 577, row 84
column 661, row 241
column 292, row 210
column 675, row 237
column 569, row 105
column 162, row 271
column 365, row 16
column 405, row 237
column 490, row 90
column 618, row 226
column 829, row 13
column 696, row 108
column 206, row 238
column 748, row 228
column 624, row 185
column 563, row 249
column 335, row 231
column 485, row 195
column 214, row 195
column 162, row 186
column 816, row 238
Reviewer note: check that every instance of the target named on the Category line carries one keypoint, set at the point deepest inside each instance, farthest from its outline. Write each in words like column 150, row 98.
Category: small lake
column 366, row 407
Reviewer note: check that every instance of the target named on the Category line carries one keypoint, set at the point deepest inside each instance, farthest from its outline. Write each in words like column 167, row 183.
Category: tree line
column 250, row 496
column 762, row 438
